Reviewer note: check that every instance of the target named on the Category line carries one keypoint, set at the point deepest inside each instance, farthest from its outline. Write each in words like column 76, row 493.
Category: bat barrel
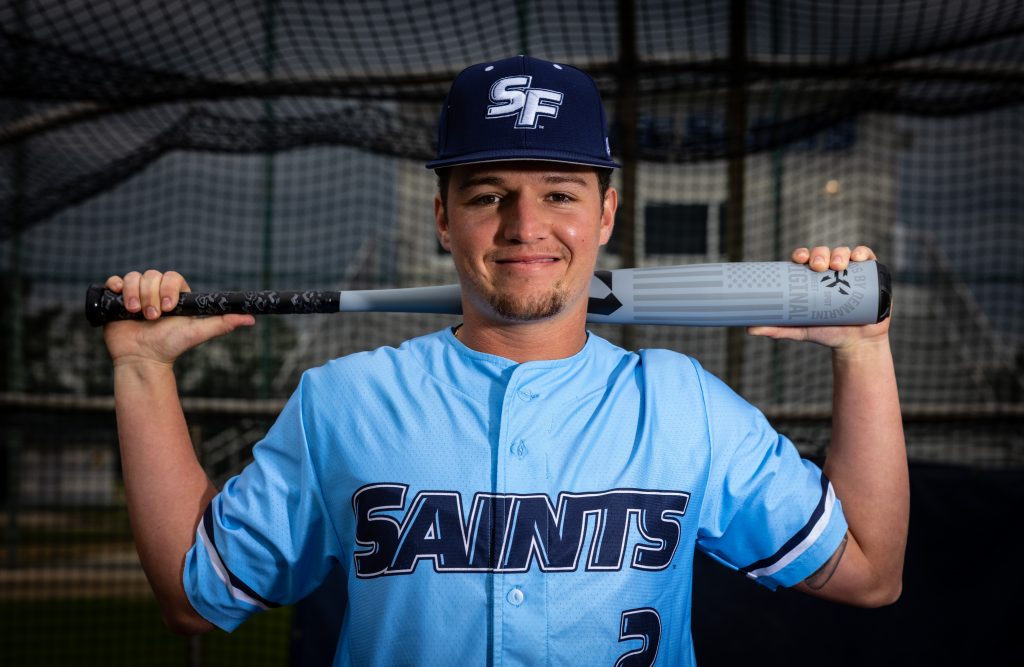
column 744, row 294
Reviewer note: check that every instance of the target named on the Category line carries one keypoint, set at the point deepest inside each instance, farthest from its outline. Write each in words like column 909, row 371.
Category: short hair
column 444, row 176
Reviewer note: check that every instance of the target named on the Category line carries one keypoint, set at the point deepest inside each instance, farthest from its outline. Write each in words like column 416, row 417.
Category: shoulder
column 673, row 369
column 671, row 374
column 670, row 358
column 666, row 382
column 658, row 358
column 652, row 368
column 385, row 364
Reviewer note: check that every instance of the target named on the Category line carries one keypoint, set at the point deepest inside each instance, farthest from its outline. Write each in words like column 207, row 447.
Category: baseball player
column 513, row 490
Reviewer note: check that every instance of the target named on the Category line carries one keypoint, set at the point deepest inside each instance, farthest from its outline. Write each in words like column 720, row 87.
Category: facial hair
column 520, row 308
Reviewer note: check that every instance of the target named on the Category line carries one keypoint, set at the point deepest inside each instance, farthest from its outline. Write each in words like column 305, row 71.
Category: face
column 525, row 235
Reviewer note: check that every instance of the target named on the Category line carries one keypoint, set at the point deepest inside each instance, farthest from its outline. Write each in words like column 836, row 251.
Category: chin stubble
column 516, row 307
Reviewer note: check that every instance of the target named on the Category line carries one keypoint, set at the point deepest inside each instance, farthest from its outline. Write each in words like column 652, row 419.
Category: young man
column 513, row 490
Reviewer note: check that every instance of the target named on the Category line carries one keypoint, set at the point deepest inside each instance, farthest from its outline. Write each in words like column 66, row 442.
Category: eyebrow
column 551, row 179
column 480, row 180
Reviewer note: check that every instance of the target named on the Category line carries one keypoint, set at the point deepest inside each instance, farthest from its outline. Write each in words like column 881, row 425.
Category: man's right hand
column 159, row 340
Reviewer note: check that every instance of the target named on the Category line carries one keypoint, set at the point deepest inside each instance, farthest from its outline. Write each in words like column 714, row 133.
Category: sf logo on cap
column 513, row 95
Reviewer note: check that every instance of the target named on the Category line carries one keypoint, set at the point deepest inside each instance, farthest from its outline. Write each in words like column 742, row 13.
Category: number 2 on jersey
column 643, row 624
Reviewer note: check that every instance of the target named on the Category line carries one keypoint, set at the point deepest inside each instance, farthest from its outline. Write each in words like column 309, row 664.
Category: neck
column 553, row 338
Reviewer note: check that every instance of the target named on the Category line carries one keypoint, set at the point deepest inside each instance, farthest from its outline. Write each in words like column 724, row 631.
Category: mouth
column 528, row 260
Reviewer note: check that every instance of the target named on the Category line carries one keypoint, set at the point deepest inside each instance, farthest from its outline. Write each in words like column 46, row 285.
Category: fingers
column 820, row 258
column 151, row 292
column 225, row 324
column 114, row 284
column 823, row 258
column 840, row 258
column 130, row 291
column 202, row 329
column 862, row 253
column 778, row 333
column 171, row 285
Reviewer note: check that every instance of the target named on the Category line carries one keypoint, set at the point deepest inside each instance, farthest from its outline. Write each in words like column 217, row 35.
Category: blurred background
column 277, row 144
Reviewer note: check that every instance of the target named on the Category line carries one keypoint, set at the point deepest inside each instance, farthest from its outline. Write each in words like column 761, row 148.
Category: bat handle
column 103, row 306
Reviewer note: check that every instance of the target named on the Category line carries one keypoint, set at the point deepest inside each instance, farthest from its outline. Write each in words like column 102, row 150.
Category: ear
column 441, row 224
column 611, row 203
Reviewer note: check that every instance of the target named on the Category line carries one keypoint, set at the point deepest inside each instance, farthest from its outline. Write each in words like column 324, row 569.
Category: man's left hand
column 839, row 338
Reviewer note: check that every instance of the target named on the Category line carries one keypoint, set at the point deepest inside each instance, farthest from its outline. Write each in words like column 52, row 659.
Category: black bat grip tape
column 103, row 306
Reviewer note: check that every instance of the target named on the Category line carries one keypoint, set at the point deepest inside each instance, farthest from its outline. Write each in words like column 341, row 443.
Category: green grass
column 129, row 632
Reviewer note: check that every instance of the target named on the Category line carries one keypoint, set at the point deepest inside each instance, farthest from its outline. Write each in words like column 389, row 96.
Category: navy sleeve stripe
column 239, row 589
column 801, row 541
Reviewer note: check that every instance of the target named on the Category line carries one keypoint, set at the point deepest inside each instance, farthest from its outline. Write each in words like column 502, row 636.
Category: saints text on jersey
column 508, row 532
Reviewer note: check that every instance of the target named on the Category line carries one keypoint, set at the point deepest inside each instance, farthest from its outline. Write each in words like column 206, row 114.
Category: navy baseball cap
column 522, row 108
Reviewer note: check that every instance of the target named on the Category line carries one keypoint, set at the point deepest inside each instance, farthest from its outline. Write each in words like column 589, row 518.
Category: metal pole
column 194, row 643
column 625, row 120
column 267, row 277
column 736, row 129
column 522, row 16
column 15, row 358
column 15, row 318
column 778, row 386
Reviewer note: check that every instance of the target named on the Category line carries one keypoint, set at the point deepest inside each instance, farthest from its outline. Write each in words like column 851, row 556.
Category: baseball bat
column 723, row 294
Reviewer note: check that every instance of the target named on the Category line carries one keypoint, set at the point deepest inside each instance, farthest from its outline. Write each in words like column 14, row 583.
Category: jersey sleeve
column 266, row 539
column 767, row 513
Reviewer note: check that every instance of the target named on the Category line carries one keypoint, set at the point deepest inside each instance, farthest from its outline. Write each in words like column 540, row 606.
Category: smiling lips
column 530, row 259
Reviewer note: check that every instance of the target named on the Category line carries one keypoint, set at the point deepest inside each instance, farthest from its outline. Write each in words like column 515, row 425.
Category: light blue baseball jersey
column 489, row 512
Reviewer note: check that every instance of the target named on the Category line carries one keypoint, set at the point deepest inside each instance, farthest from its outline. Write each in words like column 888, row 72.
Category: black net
column 280, row 144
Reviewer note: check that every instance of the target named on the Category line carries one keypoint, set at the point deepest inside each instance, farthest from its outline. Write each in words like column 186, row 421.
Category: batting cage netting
column 277, row 144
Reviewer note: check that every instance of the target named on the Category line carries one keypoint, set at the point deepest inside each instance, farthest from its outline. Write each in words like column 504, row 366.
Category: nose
column 524, row 221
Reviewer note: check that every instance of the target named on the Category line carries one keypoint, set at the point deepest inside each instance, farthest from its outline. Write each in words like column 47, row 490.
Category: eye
column 561, row 197
column 489, row 199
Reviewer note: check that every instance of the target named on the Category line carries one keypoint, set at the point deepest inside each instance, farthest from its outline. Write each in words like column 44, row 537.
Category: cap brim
column 510, row 156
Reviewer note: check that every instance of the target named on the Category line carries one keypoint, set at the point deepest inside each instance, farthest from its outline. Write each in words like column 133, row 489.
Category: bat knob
column 103, row 306
column 93, row 309
column 884, row 291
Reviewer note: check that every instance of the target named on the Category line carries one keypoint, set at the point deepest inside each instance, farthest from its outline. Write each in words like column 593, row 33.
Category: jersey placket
column 520, row 597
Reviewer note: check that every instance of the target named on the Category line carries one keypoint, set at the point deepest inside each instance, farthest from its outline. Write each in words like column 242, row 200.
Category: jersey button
column 518, row 449
column 515, row 596
column 527, row 395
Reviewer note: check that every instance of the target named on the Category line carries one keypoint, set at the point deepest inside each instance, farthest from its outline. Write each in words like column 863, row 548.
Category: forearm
column 166, row 488
column 867, row 460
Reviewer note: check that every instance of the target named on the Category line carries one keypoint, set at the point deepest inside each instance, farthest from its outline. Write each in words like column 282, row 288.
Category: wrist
column 142, row 367
column 862, row 349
